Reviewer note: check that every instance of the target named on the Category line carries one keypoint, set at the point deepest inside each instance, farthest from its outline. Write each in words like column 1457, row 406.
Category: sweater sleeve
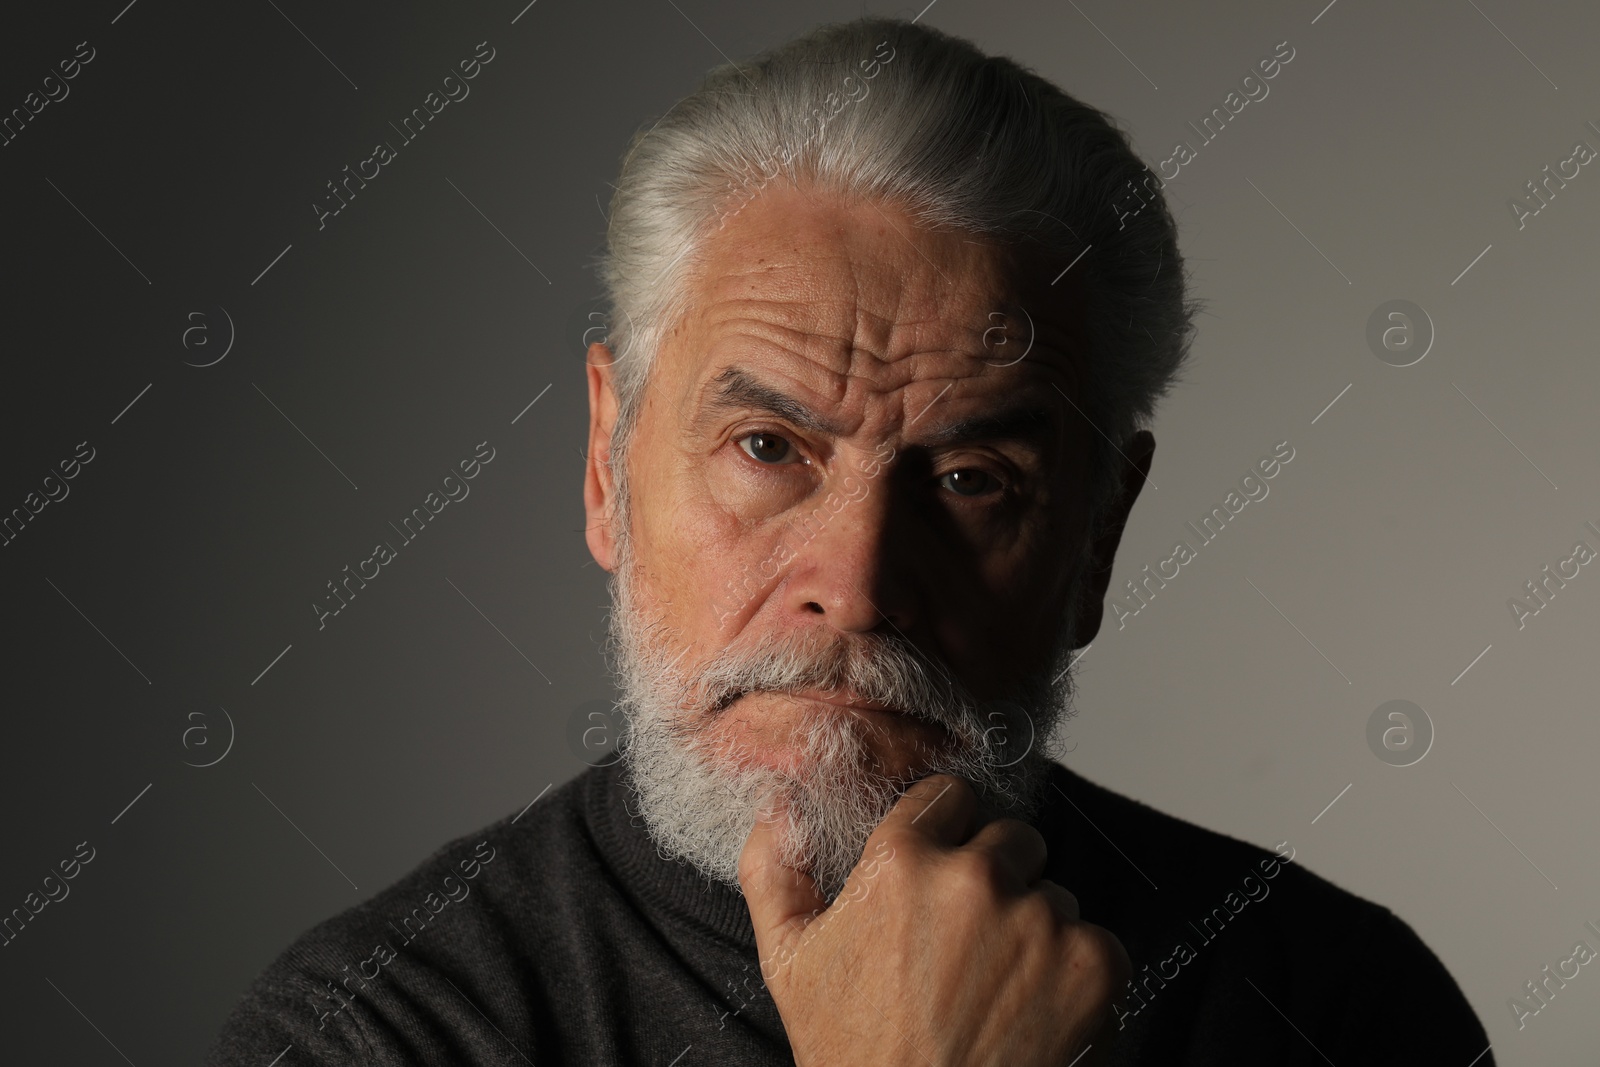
column 1404, row 1007
column 288, row 1023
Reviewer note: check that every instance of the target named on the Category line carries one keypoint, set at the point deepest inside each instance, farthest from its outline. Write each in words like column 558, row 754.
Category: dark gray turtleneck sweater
column 561, row 936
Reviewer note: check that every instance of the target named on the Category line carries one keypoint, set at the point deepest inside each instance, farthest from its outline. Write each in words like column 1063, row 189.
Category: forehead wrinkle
column 807, row 355
column 840, row 313
column 831, row 371
column 904, row 278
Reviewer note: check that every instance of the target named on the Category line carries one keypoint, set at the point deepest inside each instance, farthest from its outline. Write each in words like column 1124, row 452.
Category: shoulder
column 1184, row 898
column 1165, row 854
column 1165, row 876
column 353, row 988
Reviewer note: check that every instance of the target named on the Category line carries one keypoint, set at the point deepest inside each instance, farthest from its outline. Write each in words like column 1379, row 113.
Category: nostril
column 814, row 606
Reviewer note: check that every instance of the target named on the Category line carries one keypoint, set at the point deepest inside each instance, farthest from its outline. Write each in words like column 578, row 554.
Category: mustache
column 882, row 668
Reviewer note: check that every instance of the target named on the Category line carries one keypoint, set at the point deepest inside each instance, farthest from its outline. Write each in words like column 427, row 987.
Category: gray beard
column 699, row 805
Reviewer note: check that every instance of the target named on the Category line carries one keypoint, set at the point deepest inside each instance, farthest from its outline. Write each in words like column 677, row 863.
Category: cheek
column 715, row 566
column 974, row 609
column 989, row 637
column 1020, row 606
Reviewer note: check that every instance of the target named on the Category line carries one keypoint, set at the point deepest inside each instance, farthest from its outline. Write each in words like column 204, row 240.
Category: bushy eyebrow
column 1029, row 424
column 739, row 390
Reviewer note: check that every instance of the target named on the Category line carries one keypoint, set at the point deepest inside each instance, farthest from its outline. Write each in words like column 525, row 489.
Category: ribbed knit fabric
column 561, row 936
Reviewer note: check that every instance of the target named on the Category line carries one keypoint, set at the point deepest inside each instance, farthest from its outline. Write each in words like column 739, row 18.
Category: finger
column 1065, row 903
column 1015, row 847
column 780, row 898
column 940, row 808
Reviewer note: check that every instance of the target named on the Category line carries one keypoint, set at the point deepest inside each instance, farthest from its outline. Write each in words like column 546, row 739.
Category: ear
column 1140, row 452
column 599, row 487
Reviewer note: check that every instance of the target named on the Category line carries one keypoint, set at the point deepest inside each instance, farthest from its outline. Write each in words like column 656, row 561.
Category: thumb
column 782, row 899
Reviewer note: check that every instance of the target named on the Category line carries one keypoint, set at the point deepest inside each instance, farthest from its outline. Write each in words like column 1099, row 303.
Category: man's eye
column 769, row 448
column 970, row 482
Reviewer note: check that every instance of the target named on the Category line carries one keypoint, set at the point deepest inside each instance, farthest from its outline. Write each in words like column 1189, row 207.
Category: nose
column 854, row 559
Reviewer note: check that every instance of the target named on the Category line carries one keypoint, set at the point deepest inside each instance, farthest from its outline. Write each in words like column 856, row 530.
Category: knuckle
column 1037, row 915
column 975, row 875
column 1064, row 903
column 1012, row 830
column 895, row 840
column 1026, row 830
column 935, row 785
column 1099, row 956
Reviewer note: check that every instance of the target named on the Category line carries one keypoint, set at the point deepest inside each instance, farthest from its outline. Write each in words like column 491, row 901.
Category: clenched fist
column 945, row 946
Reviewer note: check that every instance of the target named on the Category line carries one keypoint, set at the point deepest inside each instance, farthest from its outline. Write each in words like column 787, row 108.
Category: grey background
column 416, row 325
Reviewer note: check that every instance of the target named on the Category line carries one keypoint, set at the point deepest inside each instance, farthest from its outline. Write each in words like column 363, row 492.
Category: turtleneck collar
column 674, row 888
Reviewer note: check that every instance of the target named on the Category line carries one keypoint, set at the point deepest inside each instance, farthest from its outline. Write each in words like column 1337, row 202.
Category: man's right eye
column 769, row 449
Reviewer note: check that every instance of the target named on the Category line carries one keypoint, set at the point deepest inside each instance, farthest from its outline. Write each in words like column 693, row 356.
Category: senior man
column 890, row 316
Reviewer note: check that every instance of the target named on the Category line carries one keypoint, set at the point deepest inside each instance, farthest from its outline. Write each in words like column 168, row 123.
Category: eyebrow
column 740, row 390
column 1027, row 424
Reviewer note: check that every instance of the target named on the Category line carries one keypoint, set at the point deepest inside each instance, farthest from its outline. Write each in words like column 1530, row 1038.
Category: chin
column 804, row 739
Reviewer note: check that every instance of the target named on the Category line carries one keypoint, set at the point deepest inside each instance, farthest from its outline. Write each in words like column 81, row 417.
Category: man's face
column 855, row 522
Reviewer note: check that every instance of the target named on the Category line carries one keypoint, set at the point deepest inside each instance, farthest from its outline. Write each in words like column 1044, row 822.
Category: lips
column 844, row 698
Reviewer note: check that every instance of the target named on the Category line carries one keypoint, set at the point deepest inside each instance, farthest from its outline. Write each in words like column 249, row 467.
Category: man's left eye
column 970, row 482
column 769, row 448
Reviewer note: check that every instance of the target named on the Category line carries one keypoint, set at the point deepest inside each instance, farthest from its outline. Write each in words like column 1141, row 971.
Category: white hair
column 901, row 114
column 897, row 112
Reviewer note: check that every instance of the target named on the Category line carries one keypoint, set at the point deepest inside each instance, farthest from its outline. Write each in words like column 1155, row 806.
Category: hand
column 944, row 948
